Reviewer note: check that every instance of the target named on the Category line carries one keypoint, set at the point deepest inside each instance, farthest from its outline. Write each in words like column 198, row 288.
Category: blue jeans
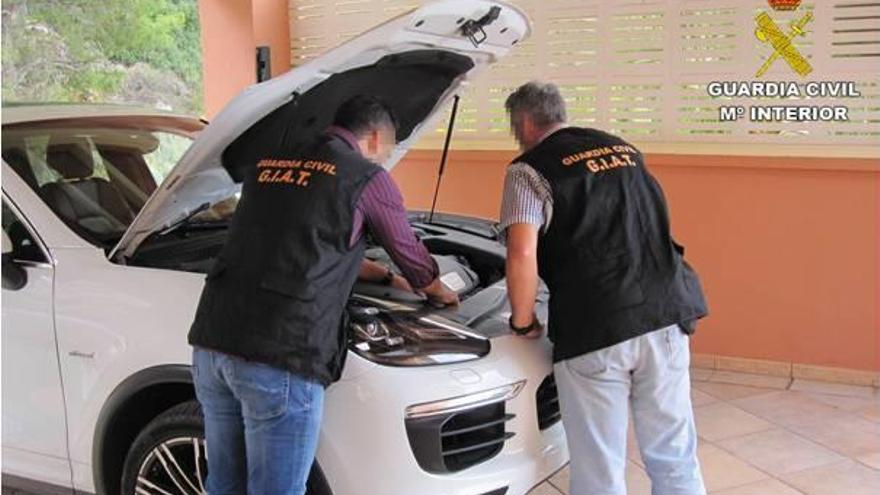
column 261, row 425
column 648, row 375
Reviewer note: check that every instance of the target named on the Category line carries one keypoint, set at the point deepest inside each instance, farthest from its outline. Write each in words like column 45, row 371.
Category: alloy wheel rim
column 176, row 466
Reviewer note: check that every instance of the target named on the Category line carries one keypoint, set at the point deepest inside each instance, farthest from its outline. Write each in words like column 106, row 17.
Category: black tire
column 174, row 426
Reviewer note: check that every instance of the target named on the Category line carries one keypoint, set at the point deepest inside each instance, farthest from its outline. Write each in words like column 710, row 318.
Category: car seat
column 83, row 199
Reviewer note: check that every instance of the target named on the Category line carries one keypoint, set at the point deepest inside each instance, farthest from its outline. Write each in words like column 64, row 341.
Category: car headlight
column 402, row 335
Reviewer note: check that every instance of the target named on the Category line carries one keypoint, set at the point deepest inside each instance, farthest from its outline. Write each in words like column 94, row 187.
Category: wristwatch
column 524, row 330
column 388, row 278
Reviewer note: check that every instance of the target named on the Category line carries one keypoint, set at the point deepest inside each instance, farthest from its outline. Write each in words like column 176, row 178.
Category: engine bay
column 467, row 262
column 470, row 259
column 455, row 272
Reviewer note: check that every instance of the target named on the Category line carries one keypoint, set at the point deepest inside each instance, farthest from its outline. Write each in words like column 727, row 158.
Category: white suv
column 112, row 216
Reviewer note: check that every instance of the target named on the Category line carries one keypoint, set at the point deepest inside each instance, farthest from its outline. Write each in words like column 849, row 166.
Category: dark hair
column 540, row 100
column 360, row 114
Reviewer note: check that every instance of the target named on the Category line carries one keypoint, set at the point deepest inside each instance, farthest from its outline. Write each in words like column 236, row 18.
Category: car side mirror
column 14, row 275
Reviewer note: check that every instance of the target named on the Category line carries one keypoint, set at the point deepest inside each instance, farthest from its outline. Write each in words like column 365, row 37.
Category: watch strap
column 523, row 330
column 388, row 278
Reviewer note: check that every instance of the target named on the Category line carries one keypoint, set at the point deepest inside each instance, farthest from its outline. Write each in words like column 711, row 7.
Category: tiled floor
column 763, row 435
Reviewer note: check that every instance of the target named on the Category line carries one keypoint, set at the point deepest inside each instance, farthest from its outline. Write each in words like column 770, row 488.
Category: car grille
column 446, row 443
column 547, row 400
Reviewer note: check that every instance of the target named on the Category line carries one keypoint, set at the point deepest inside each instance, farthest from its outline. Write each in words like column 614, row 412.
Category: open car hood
column 416, row 63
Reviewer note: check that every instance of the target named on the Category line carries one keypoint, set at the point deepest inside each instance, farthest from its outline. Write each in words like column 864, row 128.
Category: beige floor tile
column 561, row 479
column 849, row 435
column 848, row 477
column 10, row 491
column 871, row 460
column 766, row 487
column 544, row 489
column 789, row 409
column 779, row 451
column 720, row 421
column 764, row 381
column 845, row 403
column 637, row 481
column 829, row 388
column 722, row 470
column 700, row 398
column 700, row 374
column 871, row 412
column 726, row 391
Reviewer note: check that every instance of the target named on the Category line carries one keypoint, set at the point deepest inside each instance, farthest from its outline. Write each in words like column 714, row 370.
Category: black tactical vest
column 607, row 256
column 278, row 291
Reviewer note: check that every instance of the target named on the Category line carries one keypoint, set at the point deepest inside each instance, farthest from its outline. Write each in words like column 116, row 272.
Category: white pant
column 595, row 390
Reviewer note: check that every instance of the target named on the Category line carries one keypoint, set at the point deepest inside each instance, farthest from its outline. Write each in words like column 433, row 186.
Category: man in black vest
column 581, row 210
column 269, row 333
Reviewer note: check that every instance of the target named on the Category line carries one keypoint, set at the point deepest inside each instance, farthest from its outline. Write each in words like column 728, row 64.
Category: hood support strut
column 445, row 153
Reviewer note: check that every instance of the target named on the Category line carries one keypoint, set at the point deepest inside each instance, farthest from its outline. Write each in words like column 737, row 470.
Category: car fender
column 122, row 393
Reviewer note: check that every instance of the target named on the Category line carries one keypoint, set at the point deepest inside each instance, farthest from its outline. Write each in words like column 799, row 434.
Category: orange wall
column 272, row 28
column 228, row 50
column 787, row 248
column 231, row 32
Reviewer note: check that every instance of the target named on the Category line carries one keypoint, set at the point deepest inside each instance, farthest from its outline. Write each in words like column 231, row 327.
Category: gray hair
column 541, row 101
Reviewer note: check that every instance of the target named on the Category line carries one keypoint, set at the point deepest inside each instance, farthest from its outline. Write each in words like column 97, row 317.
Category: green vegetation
column 133, row 51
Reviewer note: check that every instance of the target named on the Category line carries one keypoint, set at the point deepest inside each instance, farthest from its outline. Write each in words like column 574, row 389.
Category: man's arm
column 525, row 208
column 522, row 272
column 385, row 215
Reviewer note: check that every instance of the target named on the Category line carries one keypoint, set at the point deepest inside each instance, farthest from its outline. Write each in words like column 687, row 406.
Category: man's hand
column 439, row 295
column 534, row 334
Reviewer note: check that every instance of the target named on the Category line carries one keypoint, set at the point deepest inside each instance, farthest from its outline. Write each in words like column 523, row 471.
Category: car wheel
column 168, row 457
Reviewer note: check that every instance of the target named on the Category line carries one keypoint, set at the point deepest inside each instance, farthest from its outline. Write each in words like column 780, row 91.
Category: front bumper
column 366, row 447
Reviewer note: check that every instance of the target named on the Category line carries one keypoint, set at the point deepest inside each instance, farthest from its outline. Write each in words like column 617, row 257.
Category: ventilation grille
column 640, row 68
column 547, row 400
column 473, row 437
column 708, row 37
column 637, row 39
column 855, row 31
column 447, row 443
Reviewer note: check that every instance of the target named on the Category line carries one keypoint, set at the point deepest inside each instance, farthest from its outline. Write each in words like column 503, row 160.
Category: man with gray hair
column 581, row 210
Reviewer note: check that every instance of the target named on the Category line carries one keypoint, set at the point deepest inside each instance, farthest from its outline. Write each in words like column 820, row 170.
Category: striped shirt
column 527, row 197
column 380, row 209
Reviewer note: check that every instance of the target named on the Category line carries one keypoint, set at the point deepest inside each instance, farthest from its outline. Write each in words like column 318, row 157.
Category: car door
column 34, row 428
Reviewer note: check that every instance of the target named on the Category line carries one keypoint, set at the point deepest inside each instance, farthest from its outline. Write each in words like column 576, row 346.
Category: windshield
column 97, row 173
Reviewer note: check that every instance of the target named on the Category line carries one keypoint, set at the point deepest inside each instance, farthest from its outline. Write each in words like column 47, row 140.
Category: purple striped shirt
column 380, row 209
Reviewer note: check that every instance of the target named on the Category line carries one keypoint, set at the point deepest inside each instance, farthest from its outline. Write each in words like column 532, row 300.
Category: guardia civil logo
column 780, row 41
